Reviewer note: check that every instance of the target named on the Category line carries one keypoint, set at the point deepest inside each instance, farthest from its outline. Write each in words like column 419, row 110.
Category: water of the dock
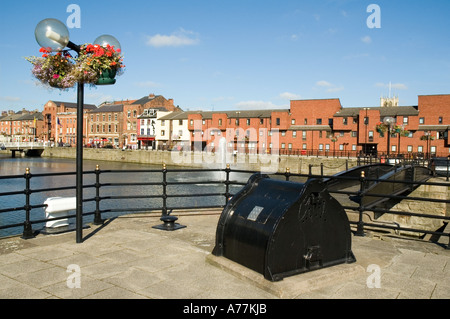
column 127, row 258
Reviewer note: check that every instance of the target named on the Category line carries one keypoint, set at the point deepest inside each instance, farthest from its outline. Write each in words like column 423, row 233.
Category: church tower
column 390, row 100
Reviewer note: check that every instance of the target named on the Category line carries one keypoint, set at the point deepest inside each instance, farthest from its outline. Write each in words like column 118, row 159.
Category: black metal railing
column 157, row 187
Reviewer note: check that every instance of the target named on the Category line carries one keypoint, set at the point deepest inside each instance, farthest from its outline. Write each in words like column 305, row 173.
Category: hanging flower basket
column 95, row 65
column 107, row 77
column 106, row 61
column 381, row 128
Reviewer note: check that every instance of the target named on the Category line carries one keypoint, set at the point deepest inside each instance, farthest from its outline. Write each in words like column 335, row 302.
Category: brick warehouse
column 308, row 127
column 324, row 127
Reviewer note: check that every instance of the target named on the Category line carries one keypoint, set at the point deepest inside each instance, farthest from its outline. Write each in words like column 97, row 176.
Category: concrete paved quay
column 128, row 259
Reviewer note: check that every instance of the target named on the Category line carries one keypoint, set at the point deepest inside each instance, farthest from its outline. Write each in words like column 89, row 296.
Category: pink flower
column 55, row 76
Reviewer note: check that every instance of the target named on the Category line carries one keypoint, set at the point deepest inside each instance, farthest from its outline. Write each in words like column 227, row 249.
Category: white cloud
column 366, row 39
column 176, row 39
column 9, row 98
column 331, row 88
column 257, row 105
column 290, row 96
column 335, row 89
column 324, row 84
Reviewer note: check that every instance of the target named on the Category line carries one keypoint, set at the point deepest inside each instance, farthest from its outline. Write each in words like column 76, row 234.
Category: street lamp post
column 54, row 35
column 389, row 121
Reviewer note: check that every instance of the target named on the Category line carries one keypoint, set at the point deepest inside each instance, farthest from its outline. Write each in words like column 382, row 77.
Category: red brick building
column 131, row 112
column 23, row 126
column 324, row 127
column 60, row 122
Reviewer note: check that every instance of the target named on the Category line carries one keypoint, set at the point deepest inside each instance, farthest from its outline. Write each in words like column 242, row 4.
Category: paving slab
column 126, row 258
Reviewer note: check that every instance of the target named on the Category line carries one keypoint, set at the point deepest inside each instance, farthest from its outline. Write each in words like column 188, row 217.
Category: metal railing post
column 27, row 228
column 169, row 221
column 97, row 217
column 360, row 224
column 164, row 195
column 227, row 184
column 287, row 174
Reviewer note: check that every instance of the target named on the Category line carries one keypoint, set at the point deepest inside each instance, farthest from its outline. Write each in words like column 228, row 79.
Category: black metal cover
column 280, row 228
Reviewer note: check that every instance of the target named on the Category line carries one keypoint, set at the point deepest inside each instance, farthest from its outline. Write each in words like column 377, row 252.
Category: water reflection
column 39, row 185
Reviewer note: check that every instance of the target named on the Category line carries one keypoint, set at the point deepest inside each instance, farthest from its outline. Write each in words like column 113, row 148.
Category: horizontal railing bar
column 132, row 184
column 194, row 183
column 195, row 195
column 404, row 229
column 131, row 197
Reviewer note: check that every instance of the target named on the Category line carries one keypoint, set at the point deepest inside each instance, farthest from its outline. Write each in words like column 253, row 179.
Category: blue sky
column 247, row 54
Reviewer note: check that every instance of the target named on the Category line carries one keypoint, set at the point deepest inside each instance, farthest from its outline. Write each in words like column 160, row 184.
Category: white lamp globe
column 106, row 39
column 52, row 34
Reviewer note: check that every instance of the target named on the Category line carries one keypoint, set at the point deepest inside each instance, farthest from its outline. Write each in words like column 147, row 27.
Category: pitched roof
column 230, row 114
column 74, row 105
column 145, row 99
column 22, row 117
column 384, row 111
column 108, row 108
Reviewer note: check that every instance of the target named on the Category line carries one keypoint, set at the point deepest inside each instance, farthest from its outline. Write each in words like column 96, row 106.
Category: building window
column 163, row 132
column 409, row 148
column 278, row 121
column 305, row 121
column 366, row 120
column 421, row 120
column 304, row 146
column 420, row 149
column 440, row 119
column 405, row 120
column 293, row 121
column 294, row 134
column 220, row 122
column 248, row 121
column 345, row 121
column 261, row 121
column 304, row 135
column 319, row 121
column 354, row 134
column 283, row 133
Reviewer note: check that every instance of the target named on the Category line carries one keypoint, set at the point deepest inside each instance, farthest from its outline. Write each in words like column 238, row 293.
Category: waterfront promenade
column 128, row 259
